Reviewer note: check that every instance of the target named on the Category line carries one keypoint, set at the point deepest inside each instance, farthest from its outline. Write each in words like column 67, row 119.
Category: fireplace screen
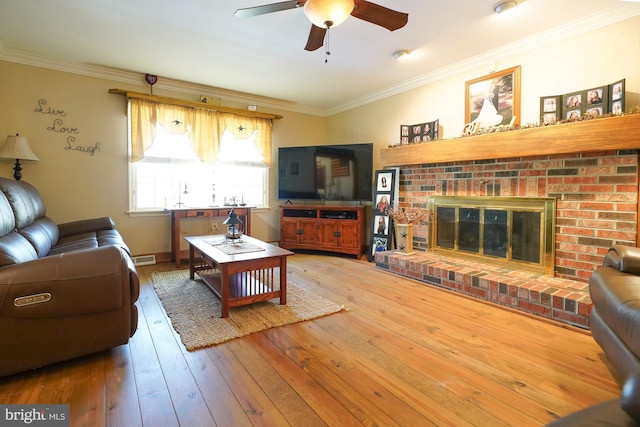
column 517, row 232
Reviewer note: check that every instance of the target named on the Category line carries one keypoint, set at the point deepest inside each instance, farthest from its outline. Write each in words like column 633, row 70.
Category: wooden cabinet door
column 327, row 233
column 289, row 231
column 308, row 231
column 348, row 234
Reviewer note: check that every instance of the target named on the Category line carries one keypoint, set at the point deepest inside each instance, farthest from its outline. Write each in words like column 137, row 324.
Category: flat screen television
column 326, row 172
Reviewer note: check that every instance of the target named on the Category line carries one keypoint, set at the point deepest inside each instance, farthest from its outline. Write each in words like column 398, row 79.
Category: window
column 170, row 175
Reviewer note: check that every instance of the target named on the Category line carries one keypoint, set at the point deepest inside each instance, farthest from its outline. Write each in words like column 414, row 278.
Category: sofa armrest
column 630, row 397
column 85, row 226
column 71, row 284
column 623, row 258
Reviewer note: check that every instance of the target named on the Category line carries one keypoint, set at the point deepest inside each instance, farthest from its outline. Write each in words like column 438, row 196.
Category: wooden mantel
column 610, row 133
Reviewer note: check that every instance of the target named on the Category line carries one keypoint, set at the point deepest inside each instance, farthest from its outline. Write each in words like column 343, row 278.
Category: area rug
column 195, row 311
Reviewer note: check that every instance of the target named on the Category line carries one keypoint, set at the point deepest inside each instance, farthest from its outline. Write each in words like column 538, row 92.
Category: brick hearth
column 589, row 167
column 563, row 300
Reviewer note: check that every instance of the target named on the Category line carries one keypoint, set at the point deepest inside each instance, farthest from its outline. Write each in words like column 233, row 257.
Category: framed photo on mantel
column 494, row 99
column 385, row 195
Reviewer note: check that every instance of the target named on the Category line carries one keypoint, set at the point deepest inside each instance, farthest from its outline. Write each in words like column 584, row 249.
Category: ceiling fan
column 325, row 14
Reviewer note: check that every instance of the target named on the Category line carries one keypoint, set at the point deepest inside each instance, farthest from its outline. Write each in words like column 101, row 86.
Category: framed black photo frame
column 404, row 134
column 592, row 103
column 596, row 102
column 550, row 109
column 617, row 97
column 423, row 132
column 384, row 196
column 572, row 109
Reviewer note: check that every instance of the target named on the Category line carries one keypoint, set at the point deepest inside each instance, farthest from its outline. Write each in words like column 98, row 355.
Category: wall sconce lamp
column 17, row 147
column 233, row 231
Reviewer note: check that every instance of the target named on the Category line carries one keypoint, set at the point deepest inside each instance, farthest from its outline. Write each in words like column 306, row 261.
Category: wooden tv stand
column 324, row 228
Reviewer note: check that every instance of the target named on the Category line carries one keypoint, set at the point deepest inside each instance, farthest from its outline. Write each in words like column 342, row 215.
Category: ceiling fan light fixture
column 328, row 13
column 503, row 6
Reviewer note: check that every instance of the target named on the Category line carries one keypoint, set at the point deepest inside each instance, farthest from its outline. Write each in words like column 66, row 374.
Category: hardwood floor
column 403, row 354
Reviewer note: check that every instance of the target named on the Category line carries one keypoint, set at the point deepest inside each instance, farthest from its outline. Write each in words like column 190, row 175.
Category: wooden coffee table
column 239, row 273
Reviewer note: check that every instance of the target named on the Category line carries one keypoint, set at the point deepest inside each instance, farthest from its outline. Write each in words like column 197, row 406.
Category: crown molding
column 563, row 32
column 626, row 10
column 134, row 78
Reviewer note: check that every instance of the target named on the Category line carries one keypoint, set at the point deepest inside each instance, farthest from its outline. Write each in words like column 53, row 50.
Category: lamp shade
column 17, row 147
column 232, row 219
column 328, row 13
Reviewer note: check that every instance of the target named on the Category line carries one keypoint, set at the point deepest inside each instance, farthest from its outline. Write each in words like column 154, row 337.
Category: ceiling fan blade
column 316, row 38
column 268, row 8
column 379, row 15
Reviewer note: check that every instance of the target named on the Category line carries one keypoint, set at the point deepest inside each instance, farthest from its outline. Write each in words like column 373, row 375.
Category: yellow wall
column 592, row 59
column 77, row 185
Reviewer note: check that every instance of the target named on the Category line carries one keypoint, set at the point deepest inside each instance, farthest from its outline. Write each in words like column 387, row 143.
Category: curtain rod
column 194, row 104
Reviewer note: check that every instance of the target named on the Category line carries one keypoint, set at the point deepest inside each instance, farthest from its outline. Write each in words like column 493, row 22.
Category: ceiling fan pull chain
column 326, row 49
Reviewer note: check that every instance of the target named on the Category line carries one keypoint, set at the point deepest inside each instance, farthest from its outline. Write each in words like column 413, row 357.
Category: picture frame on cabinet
column 494, row 99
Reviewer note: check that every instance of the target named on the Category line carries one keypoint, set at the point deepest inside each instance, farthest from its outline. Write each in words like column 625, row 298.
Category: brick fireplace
column 596, row 198
column 591, row 170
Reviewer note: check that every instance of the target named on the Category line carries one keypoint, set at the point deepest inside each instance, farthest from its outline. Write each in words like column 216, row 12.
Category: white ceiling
column 201, row 41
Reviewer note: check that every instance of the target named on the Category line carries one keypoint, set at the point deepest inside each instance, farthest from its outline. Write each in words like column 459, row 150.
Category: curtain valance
column 203, row 125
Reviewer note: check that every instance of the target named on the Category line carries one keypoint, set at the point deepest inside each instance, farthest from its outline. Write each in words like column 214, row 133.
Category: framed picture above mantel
column 494, row 99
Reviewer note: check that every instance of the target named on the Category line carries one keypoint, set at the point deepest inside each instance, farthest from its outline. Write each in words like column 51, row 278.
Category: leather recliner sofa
column 615, row 325
column 66, row 290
